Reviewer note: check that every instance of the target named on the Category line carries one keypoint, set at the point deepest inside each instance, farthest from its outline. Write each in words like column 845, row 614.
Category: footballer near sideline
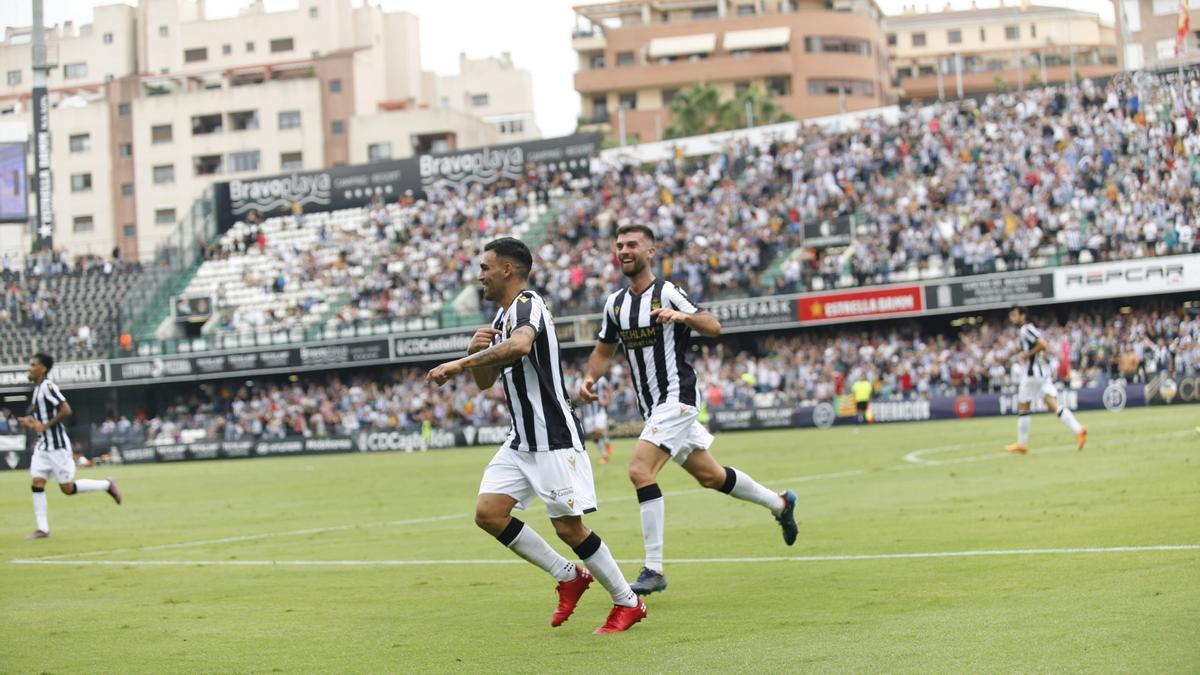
column 653, row 320
column 52, row 456
column 544, row 455
column 1035, row 381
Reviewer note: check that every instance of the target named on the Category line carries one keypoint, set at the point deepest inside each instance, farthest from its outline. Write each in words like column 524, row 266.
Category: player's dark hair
column 45, row 359
column 515, row 251
column 636, row 227
column 1019, row 308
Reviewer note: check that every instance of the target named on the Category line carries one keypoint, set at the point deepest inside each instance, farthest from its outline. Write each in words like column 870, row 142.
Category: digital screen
column 14, row 200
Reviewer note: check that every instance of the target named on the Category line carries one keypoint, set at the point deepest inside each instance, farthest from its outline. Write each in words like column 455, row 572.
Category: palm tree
column 699, row 110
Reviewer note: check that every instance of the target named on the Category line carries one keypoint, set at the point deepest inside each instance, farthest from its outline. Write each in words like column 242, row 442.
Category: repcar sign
column 1133, row 277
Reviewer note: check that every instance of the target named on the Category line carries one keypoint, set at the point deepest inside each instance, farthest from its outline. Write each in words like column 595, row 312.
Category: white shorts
column 59, row 464
column 676, row 430
column 1034, row 387
column 561, row 478
column 596, row 422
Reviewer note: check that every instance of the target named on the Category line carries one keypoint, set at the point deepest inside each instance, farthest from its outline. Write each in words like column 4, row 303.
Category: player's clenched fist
column 482, row 339
column 586, row 393
column 444, row 373
column 664, row 315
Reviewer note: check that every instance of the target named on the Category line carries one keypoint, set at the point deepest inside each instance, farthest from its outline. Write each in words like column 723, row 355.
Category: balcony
column 583, row 40
column 683, row 73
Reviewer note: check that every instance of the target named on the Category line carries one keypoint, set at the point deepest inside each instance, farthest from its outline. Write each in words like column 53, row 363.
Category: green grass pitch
column 1136, row 485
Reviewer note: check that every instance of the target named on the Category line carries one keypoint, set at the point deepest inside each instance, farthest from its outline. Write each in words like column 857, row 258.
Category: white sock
column 1024, row 421
column 528, row 544
column 600, row 563
column 39, row 511
column 91, row 485
column 747, row 489
column 1068, row 418
column 653, row 509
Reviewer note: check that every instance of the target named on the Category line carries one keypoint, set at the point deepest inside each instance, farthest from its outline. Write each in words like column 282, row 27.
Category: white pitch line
column 674, row 561
column 264, row 535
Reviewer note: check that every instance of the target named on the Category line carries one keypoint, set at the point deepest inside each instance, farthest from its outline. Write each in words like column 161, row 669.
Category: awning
column 683, row 45
column 757, row 39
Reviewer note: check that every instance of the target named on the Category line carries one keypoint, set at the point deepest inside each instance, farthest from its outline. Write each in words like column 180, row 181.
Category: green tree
column 700, row 110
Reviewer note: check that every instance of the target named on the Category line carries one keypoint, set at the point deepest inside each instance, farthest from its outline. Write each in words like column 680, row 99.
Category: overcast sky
column 536, row 32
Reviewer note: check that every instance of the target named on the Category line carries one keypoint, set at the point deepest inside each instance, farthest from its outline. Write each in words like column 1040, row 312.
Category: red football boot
column 622, row 618
column 569, row 593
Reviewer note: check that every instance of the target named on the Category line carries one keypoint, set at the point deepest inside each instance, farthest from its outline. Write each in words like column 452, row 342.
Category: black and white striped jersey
column 542, row 414
column 657, row 353
column 1035, row 366
column 43, row 406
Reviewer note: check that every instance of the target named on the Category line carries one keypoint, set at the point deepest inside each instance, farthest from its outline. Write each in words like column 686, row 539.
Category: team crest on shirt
column 571, row 460
column 617, row 310
column 682, row 410
column 570, row 503
column 655, row 304
column 523, row 298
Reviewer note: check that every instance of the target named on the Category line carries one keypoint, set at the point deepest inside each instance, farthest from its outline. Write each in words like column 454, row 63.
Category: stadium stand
column 68, row 309
column 799, row 368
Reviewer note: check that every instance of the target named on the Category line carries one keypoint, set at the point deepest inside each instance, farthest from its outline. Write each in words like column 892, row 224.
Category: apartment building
column 816, row 57
column 930, row 53
column 152, row 104
column 1149, row 27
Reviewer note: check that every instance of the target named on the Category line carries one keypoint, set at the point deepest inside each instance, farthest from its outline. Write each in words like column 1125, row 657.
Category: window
column 337, row 127
column 164, row 173
column 126, row 189
column 739, row 87
column 289, row 119
column 291, row 161
column 836, row 45
column 1133, row 16
column 163, row 31
column 126, row 149
column 745, row 10
column 479, row 100
column 243, row 120
column 206, row 124
column 335, row 86
column 1165, row 48
column 624, row 59
column 668, row 97
column 891, row 39
column 226, row 49
column 164, row 216
column 779, row 86
column 627, row 101
column 983, row 35
column 704, row 13
column 108, row 37
column 81, row 182
column 14, row 78
column 918, row 39
column 836, row 87
column 512, row 127
column 74, row 70
column 196, row 54
column 379, row 151
column 81, row 142
column 954, row 37
column 597, row 62
column 903, row 73
column 130, row 230
column 1033, row 30
column 123, row 109
column 926, row 71
column 1164, row 7
column 1012, row 32
column 736, row 52
column 161, row 133
column 249, row 47
column 599, row 109
column 207, row 165
column 83, row 224
column 313, row 13
column 247, row 160
column 282, row 45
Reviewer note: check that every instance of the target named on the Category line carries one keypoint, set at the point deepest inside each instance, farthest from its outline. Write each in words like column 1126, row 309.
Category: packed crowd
column 1087, row 349
column 1052, row 175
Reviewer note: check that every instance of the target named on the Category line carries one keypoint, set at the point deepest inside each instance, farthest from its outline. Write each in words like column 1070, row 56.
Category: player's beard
column 638, row 266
